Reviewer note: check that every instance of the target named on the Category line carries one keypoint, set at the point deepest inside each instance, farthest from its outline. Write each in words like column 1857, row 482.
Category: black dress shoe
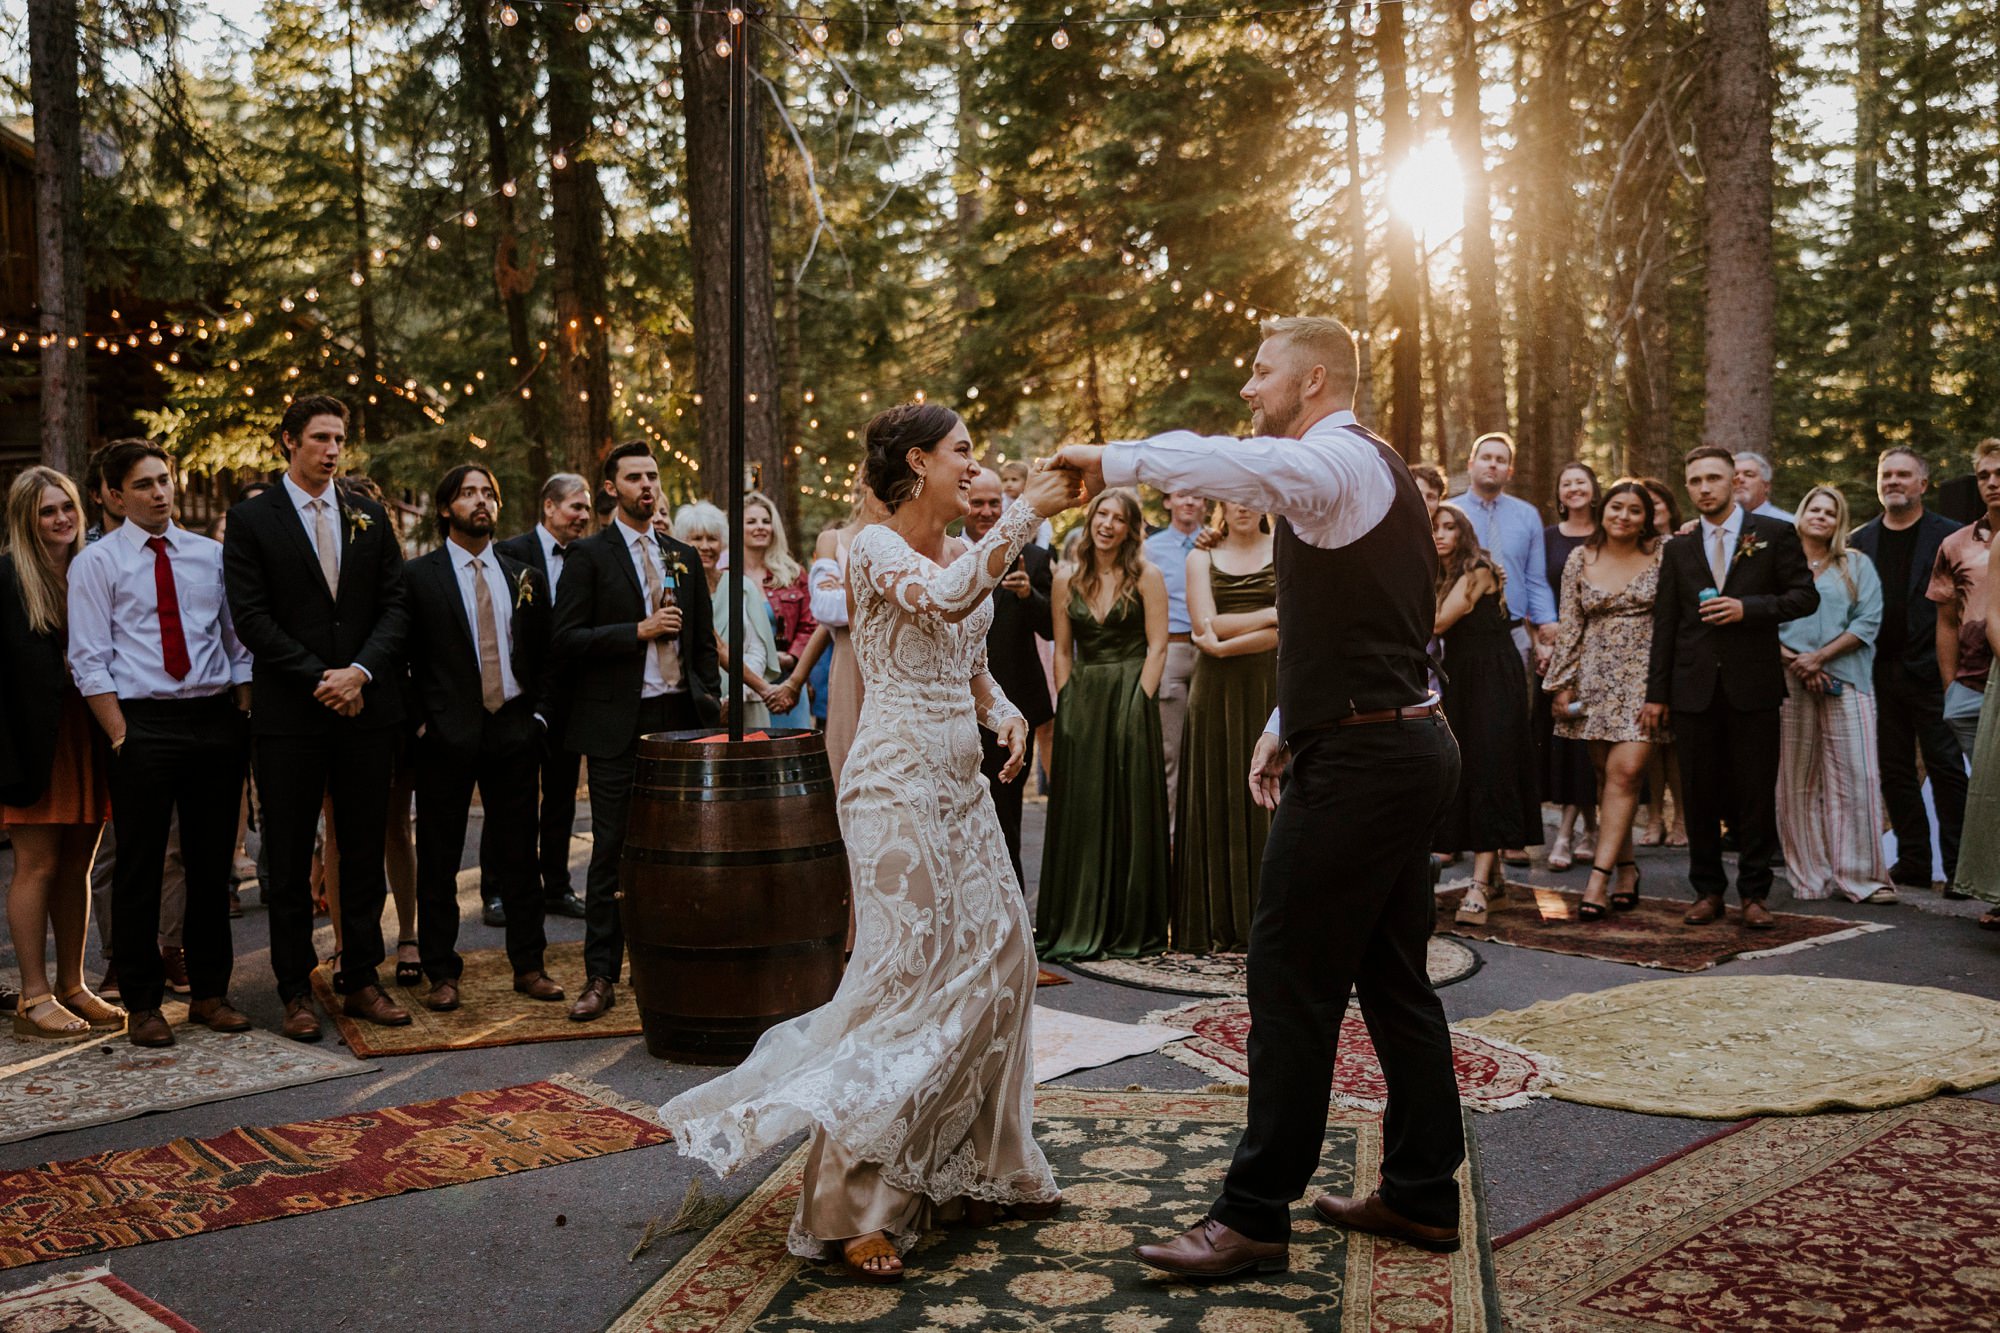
column 493, row 914
column 566, row 905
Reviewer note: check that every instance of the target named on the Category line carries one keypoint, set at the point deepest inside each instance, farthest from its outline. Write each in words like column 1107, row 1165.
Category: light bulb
column 735, row 15
column 560, row 160
column 284, row 304
column 1480, row 9
column 312, row 293
column 583, row 21
column 471, row 218
column 431, row 242
column 840, row 97
column 895, row 36
column 971, row 39
column 1020, row 208
column 661, row 27
column 1365, row 23
column 1257, row 33
column 820, row 33
column 1156, row 38
column 723, row 48
column 1061, row 39
column 509, row 189
column 508, row 16
column 619, row 127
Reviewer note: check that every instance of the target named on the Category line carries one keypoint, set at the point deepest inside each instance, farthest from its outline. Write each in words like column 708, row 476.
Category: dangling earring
column 917, row 493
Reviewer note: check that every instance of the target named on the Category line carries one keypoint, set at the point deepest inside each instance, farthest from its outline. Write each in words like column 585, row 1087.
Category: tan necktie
column 670, row 662
column 323, row 539
column 492, row 692
column 1718, row 557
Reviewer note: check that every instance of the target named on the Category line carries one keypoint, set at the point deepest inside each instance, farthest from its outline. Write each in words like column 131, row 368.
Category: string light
column 508, row 16
column 896, row 35
column 820, row 33
column 1257, row 33
column 1480, row 9
column 1156, row 37
column 723, row 48
column 1060, row 39
column 1366, row 23
column 560, row 161
column 583, row 20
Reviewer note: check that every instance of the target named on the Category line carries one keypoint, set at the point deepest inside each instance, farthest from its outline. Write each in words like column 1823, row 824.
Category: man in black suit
column 545, row 549
column 479, row 642
column 1020, row 613
column 315, row 584
column 1717, row 679
column 635, row 638
column 1903, row 542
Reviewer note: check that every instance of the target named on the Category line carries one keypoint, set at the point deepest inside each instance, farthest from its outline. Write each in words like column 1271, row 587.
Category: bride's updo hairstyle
column 890, row 436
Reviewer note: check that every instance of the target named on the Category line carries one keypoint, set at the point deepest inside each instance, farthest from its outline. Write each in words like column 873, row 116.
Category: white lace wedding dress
column 917, row 1077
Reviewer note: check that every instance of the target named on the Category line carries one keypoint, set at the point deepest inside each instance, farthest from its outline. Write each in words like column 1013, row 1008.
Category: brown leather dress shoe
column 146, row 1027
column 1379, row 1219
column 597, row 998
column 537, row 986
column 301, row 1023
column 1707, row 910
column 1212, row 1251
column 217, row 1015
column 371, row 1005
column 443, row 997
column 1757, row 916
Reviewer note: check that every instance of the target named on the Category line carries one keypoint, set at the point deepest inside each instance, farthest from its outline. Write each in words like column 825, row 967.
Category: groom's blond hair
column 1326, row 342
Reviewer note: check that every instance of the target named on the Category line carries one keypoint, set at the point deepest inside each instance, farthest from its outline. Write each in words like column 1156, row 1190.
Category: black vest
column 1354, row 623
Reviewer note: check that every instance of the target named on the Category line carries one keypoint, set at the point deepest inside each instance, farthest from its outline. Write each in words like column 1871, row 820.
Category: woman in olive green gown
column 1219, row 830
column 1104, row 856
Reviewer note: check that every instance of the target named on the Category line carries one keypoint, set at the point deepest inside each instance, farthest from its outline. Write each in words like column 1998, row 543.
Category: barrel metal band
column 740, row 859
column 726, row 953
column 723, row 773
column 718, row 795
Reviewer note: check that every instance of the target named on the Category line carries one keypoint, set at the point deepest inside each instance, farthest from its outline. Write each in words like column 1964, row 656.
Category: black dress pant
column 1909, row 719
column 502, row 766
column 1007, row 795
column 610, row 806
column 556, row 816
column 1729, row 770
column 295, row 774
column 1344, row 902
column 184, row 755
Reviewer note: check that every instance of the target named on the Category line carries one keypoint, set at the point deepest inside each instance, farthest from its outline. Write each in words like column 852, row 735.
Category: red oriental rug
column 1539, row 916
column 1887, row 1222
column 90, row 1301
column 188, row 1186
column 1493, row 1075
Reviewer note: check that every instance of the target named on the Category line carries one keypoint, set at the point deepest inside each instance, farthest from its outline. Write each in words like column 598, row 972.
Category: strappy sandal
column 1561, row 855
column 1626, row 900
column 856, row 1255
column 408, row 972
column 62, row 1026
column 1475, row 916
column 94, row 1009
column 1587, row 910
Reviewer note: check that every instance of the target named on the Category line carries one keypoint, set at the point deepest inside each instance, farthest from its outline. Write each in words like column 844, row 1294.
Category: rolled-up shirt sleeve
column 90, row 625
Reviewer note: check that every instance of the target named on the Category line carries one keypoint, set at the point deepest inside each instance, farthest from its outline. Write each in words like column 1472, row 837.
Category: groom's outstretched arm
column 1306, row 480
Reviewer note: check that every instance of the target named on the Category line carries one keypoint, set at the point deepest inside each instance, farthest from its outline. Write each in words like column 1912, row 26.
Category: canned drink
column 1708, row 593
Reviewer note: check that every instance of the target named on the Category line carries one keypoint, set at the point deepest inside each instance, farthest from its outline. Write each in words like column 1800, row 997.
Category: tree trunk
column 513, row 274
column 1920, row 378
column 1437, row 344
column 1359, row 319
column 1741, row 296
column 52, row 65
column 363, row 259
column 576, row 238
column 1406, row 361
column 1486, row 363
column 705, row 80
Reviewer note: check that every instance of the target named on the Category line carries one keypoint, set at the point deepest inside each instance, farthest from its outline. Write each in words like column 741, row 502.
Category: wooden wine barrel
column 733, row 890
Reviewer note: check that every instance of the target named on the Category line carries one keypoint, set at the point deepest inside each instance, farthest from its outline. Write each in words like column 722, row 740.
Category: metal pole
column 739, row 96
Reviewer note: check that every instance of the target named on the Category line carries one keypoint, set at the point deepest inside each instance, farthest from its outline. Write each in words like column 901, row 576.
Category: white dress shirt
column 1732, row 532
column 1769, row 510
column 502, row 594
column 304, row 504
column 550, row 558
column 114, row 618
column 1331, row 483
column 643, row 545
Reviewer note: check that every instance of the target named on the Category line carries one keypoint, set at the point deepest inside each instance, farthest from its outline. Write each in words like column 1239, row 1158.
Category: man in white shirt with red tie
column 1359, row 764
column 156, row 656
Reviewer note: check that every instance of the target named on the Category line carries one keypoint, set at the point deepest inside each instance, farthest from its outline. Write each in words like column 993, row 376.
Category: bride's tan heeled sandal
column 94, row 1009
column 59, row 1026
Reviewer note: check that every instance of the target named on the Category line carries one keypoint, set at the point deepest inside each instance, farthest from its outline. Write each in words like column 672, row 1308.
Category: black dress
column 1486, row 702
column 1566, row 775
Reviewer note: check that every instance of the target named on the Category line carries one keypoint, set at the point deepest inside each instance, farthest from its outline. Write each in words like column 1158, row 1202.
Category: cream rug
column 1066, row 1042
column 1722, row 1048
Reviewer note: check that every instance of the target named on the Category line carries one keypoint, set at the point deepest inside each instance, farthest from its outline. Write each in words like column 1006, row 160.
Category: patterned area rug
column 1134, row 1166
column 1222, row 973
column 489, row 1013
column 1881, row 1223
column 106, row 1079
column 1721, row 1048
column 133, row 1196
column 1493, row 1075
column 88, row 1301
column 1538, row 916
column 1066, row 1042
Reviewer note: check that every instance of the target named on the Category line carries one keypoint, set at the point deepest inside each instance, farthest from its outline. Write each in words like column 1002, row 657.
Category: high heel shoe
column 1628, row 899
column 1587, row 910
column 1475, row 916
column 62, row 1025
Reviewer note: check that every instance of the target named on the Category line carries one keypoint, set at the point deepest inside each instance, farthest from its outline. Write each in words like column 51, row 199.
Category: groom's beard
column 1278, row 420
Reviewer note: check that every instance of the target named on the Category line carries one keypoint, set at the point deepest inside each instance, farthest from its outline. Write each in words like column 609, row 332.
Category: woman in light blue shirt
column 1829, row 778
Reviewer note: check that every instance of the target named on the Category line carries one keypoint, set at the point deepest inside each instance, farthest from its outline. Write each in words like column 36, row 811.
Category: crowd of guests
column 1783, row 681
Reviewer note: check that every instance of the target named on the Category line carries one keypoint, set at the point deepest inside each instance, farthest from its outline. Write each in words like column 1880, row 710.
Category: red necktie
column 173, row 644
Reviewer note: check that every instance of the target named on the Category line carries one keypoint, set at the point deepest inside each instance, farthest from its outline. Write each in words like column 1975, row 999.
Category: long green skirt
column 1219, row 830
column 1979, row 850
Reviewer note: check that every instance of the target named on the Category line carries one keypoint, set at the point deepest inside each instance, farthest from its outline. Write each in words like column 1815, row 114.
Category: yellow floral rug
column 1134, row 1167
column 1721, row 1048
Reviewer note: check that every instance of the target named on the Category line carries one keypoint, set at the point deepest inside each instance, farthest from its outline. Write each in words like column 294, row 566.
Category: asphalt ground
column 551, row 1249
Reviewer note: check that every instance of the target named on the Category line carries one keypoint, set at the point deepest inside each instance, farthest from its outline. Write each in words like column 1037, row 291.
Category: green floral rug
column 1134, row 1167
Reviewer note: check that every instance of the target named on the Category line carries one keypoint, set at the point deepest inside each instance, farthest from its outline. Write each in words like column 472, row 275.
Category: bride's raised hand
column 1013, row 734
column 1051, row 490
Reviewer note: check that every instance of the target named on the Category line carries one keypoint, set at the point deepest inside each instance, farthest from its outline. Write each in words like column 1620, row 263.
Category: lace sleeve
column 990, row 703
column 895, row 572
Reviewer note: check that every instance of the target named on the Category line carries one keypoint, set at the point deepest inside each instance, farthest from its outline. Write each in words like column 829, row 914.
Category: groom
column 1371, row 765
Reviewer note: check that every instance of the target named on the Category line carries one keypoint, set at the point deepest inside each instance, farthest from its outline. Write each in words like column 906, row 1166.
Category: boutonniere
column 357, row 523
column 1749, row 546
column 676, row 566
column 524, row 591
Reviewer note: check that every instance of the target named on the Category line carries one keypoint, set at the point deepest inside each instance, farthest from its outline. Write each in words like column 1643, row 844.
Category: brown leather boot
column 596, row 1000
column 217, row 1015
column 146, row 1027
column 301, row 1023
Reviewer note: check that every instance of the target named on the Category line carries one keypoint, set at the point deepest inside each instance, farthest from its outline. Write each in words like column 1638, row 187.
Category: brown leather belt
column 1414, row 713
column 1179, row 637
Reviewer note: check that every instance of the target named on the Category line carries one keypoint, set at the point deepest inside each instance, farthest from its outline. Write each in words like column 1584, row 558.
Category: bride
column 916, row 1078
